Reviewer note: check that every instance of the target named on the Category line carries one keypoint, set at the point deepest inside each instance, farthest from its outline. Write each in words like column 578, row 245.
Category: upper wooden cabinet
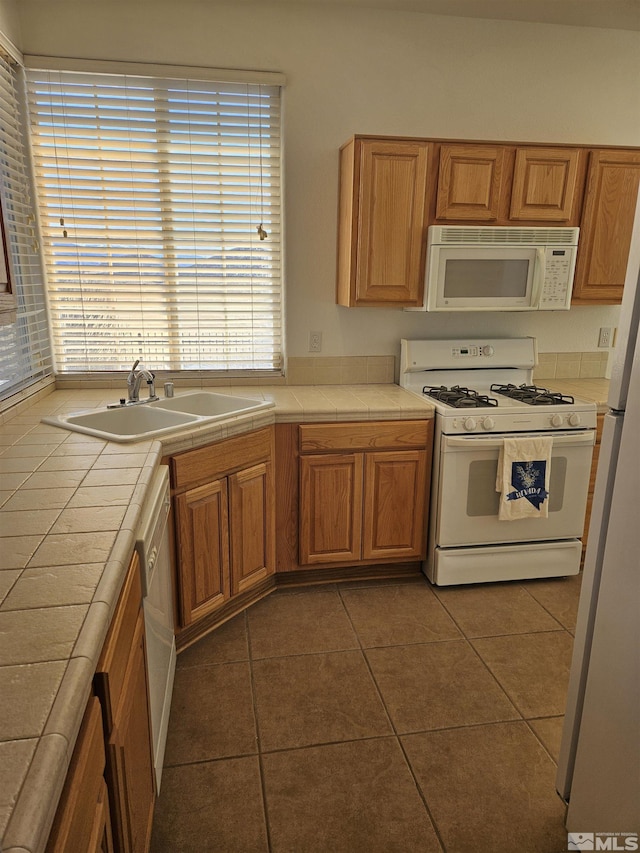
column 607, row 222
column 391, row 190
column 544, row 185
column 382, row 221
column 506, row 184
column 470, row 182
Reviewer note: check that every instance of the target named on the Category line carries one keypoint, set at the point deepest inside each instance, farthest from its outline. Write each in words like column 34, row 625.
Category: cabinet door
column 83, row 820
column 330, row 508
column 382, row 229
column 394, row 504
column 607, row 222
column 470, row 182
column 130, row 756
column 544, row 184
column 203, row 548
column 251, row 520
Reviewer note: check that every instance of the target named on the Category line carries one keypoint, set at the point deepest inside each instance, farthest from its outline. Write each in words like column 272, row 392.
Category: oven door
column 467, row 501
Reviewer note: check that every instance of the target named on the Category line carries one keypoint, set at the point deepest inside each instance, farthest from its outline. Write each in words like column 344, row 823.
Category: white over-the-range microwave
column 486, row 268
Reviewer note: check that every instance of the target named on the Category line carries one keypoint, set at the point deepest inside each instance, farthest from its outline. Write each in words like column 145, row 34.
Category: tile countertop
column 69, row 508
column 591, row 389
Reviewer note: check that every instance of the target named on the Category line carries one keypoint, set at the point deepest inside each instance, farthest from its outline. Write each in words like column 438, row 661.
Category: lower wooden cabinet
column 121, row 684
column 202, row 532
column 252, row 534
column 395, row 486
column 362, row 506
column 225, row 521
column 331, row 508
column 83, row 819
column 108, row 800
column 353, row 493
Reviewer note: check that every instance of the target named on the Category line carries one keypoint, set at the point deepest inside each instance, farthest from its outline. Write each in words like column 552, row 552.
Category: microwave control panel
column 558, row 275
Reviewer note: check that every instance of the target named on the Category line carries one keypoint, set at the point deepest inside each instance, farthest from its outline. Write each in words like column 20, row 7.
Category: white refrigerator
column 599, row 763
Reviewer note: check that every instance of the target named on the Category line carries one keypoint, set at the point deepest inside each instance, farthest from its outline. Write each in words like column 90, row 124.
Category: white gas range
column 482, row 392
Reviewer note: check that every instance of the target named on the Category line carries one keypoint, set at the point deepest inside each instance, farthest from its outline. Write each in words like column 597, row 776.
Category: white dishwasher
column 157, row 590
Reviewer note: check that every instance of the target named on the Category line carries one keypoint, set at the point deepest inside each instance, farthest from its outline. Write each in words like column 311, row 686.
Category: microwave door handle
column 538, row 276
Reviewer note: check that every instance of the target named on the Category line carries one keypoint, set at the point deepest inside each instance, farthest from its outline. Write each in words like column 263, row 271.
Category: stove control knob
column 488, row 423
column 556, row 420
column 469, row 424
column 487, row 350
column 574, row 420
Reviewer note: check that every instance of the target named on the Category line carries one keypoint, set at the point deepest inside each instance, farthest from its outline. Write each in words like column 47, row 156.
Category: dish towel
column 524, row 466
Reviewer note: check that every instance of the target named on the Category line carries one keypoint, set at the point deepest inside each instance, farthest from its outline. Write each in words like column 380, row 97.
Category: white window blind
column 25, row 354
column 154, row 197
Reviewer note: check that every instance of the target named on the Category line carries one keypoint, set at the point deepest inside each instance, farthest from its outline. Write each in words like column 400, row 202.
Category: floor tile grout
column 252, row 663
column 256, row 719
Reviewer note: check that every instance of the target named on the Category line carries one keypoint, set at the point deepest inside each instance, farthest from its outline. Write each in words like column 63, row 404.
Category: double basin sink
column 147, row 420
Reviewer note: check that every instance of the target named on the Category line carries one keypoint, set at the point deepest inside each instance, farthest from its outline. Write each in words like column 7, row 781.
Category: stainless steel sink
column 148, row 420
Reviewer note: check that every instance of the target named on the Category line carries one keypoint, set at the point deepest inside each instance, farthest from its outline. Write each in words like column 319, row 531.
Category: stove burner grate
column 532, row 395
column 459, row 398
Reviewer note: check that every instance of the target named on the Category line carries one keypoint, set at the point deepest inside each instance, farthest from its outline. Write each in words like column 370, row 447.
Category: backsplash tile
column 571, row 365
column 307, row 370
column 341, row 370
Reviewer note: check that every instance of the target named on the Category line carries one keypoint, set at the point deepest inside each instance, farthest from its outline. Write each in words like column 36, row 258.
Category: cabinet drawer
column 196, row 467
column 378, row 435
column 112, row 666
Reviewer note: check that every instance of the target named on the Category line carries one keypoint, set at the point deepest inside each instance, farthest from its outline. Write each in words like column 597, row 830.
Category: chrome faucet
column 134, row 381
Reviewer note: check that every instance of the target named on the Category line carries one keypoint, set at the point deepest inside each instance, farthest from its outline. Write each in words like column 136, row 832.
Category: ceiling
column 608, row 14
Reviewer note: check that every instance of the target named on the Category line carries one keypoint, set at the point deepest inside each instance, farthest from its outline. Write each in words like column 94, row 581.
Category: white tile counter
column 591, row 389
column 69, row 508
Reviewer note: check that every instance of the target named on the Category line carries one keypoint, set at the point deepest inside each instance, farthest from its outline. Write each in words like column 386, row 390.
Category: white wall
column 9, row 21
column 358, row 70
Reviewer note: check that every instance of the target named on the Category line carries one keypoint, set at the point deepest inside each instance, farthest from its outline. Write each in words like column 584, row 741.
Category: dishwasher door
column 155, row 562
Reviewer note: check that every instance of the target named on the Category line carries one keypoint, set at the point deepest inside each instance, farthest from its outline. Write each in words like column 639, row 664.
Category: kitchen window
column 25, row 355
column 159, row 199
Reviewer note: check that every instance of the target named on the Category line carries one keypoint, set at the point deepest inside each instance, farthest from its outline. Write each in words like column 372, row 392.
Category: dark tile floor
column 379, row 717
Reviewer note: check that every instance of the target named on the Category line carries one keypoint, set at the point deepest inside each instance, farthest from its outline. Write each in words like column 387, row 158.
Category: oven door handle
column 584, row 438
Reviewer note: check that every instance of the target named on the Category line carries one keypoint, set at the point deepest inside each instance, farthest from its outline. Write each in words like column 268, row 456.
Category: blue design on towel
column 527, row 479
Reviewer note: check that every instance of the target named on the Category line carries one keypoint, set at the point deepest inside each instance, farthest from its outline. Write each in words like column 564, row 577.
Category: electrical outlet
column 315, row 341
column 604, row 340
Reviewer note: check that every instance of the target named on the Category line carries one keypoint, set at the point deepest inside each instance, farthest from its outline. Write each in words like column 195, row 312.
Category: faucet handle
column 132, row 373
